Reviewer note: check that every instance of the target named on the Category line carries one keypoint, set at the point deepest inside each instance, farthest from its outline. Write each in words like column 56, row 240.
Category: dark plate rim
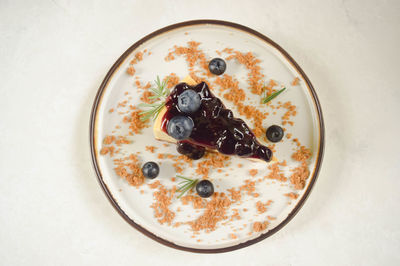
column 92, row 135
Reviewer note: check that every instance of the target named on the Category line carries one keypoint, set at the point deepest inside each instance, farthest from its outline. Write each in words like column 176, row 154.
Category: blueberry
column 150, row 170
column 274, row 133
column 204, row 188
column 217, row 66
column 189, row 101
column 180, row 127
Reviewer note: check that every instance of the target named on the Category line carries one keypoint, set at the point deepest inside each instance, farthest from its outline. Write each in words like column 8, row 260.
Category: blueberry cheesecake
column 196, row 120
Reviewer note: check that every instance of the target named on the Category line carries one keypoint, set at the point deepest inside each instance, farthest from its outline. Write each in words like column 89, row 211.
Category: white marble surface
column 53, row 56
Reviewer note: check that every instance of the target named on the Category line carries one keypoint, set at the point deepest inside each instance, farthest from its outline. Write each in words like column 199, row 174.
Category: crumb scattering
column 276, row 173
column 214, row 212
column 131, row 70
column 260, row 226
column 301, row 173
column 295, row 81
column 302, row 154
column 292, row 195
column 161, row 205
column 211, row 160
column 146, row 97
column 151, row 148
column 129, row 169
column 253, row 172
column 136, row 125
column 173, row 79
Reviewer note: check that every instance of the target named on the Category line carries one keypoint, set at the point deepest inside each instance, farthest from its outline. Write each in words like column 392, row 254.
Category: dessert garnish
column 185, row 185
column 189, row 101
column 217, row 66
column 204, row 188
column 160, row 92
column 274, row 133
column 150, row 170
column 209, row 125
column 273, row 95
column 180, row 127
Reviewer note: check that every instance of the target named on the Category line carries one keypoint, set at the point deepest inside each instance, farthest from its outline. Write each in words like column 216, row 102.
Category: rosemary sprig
column 160, row 92
column 272, row 96
column 186, row 185
column 152, row 112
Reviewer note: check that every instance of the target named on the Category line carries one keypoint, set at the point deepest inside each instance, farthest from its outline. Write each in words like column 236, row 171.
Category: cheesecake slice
column 215, row 127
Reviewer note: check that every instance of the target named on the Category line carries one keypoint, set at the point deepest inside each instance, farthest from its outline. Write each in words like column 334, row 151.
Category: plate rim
column 92, row 135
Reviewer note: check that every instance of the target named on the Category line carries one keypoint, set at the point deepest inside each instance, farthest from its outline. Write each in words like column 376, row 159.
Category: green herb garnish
column 273, row 95
column 161, row 93
column 186, row 184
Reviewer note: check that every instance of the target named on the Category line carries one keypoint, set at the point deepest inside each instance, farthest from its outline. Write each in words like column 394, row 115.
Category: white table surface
column 53, row 57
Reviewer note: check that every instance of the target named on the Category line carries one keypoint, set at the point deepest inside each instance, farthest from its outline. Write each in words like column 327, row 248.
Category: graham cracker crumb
column 211, row 160
column 151, row 148
column 295, row 81
column 276, row 173
column 192, row 55
column 260, row 226
column 252, row 64
column 292, row 195
column 146, row 97
column 155, row 184
column 234, row 194
column 106, row 150
column 135, row 124
column 172, row 80
column 197, row 202
column 161, row 204
column 108, row 140
column 253, row 172
column 121, row 140
column 131, row 70
column 300, row 173
column 291, row 111
column 129, row 168
column 261, row 207
column 302, row 154
column 249, row 186
column 235, row 215
column 215, row 212
column 299, row 176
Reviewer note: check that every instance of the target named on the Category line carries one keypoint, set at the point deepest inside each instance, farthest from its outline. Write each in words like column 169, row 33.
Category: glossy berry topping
column 192, row 151
column 214, row 126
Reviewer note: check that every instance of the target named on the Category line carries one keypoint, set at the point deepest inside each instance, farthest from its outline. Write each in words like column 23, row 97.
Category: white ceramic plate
column 276, row 64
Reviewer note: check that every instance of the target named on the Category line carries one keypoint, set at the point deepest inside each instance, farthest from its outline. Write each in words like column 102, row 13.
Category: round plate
column 133, row 204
